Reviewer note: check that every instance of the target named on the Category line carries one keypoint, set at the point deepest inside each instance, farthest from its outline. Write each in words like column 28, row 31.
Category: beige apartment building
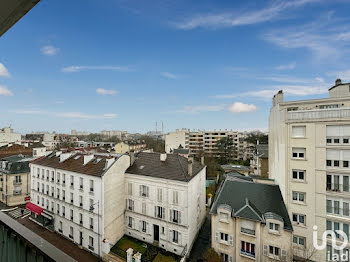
column 15, row 180
column 199, row 142
column 250, row 222
column 309, row 154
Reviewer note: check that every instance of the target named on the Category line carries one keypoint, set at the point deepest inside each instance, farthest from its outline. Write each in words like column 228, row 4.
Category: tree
column 253, row 136
column 158, row 145
column 212, row 256
column 225, row 150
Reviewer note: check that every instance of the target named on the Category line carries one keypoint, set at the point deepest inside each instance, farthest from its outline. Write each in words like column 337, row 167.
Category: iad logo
column 336, row 256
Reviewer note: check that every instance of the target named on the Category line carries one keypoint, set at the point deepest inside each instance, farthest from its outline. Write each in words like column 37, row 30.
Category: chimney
column 190, row 165
column 64, row 156
column 163, row 157
column 88, row 158
column 202, row 160
column 109, row 162
column 278, row 98
column 132, row 157
column 338, row 82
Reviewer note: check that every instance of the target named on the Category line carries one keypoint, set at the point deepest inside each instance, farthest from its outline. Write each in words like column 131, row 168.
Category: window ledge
column 299, row 159
column 299, row 225
column 299, row 181
column 299, row 203
column 299, row 137
column 274, row 232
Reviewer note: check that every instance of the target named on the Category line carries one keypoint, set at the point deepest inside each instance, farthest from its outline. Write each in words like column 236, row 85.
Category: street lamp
column 98, row 225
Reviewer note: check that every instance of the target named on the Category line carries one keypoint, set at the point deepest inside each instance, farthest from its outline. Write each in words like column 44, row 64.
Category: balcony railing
column 336, row 187
column 319, row 114
column 247, row 253
column 338, row 211
column 248, row 231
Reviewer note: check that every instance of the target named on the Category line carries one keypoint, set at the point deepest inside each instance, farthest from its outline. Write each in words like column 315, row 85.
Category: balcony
column 336, row 187
column 17, row 182
column 247, row 253
column 338, row 211
column 248, row 231
column 316, row 114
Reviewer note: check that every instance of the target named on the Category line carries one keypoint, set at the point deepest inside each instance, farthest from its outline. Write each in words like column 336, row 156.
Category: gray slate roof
column 251, row 200
column 175, row 167
column 16, row 164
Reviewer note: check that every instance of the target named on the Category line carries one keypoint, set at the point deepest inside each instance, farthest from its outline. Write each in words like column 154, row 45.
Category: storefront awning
column 34, row 208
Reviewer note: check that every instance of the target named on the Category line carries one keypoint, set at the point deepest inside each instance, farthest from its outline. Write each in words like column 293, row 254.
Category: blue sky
column 125, row 64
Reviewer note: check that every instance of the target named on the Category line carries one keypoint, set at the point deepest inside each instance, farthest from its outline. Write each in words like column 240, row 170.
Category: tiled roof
column 175, row 167
column 6, row 151
column 244, row 197
column 75, row 163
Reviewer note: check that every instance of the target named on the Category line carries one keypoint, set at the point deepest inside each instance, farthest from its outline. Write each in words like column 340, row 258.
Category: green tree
column 212, row 256
column 253, row 136
column 158, row 145
column 225, row 150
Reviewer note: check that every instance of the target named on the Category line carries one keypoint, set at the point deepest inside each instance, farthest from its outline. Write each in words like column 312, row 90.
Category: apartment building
column 8, row 136
column 15, row 180
column 199, row 142
column 309, row 154
column 250, row 222
column 122, row 148
column 80, row 196
column 165, row 200
column 259, row 163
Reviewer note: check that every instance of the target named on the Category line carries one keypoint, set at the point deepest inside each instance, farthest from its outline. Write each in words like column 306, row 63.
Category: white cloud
column 239, row 18
column 327, row 38
column 102, row 91
column 289, row 66
column 239, row 107
column 3, row 71
column 169, row 75
column 72, row 115
column 74, row 69
column 4, row 91
column 49, row 50
column 344, row 75
column 201, row 108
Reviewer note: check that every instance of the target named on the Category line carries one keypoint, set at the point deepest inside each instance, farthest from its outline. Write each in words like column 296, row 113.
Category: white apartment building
column 309, row 154
column 80, row 197
column 205, row 142
column 165, row 200
column 8, row 136
column 250, row 222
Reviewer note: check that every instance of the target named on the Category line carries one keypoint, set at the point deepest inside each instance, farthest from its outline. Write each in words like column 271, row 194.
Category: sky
column 127, row 64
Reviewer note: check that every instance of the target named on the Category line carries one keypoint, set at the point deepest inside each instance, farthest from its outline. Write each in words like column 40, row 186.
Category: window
column 71, row 198
column 91, row 243
column 52, row 191
column 299, row 219
column 274, row 227
column 160, row 195
column 247, row 249
column 130, row 204
column 175, row 216
column 275, row 251
column 91, row 204
column 72, row 181
column 345, row 163
column 81, row 201
column 159, row 212
column 329, row 162
column 58, row 177
column 91, row 223
column 58, row 193
column 223, row 216
column 71, row 232
column 80, row 218
column 52, row 176
column 175, row 236
column 130, row 222
column 336, row 163
column 63, row 211
column 336, row 140
column 144, row 226
column 329, row 208
column 71, row 214
column 144, row 211
column 299, row 174
column 299, row 196
column 58, row 209
column 60, row 229
column 329, row 106
column 81, row 183
column 130, row 189
column 18, row 179
column 144, row 191
column 175, row 197
column 298, row 153
column 298, row 131
column 345, row 140
column 91, row 185
column 224, row 237
column 329, row 140
column 297, row 240
column 63, row 194
column 64, row 178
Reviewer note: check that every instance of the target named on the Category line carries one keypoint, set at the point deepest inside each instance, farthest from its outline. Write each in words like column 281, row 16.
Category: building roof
column 237, row 175
column 175, row 167
column 235, row 167
column 181, row 150
column 75, row 163
column 15, row 149
column 16, row 164
column 253, row 201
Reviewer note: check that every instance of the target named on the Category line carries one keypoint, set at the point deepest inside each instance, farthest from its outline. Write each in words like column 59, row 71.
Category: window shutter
column 170, row 233
column 231, row 240
column 173, row 197
column 140, row 187
column 179, row 238
column 284, row 255
column 163, row 213
column 179, row 217
column 217, row 236
column 265, row 250
column 171, row 215
column 230, row 259
column 155, row 211
column 140, row 225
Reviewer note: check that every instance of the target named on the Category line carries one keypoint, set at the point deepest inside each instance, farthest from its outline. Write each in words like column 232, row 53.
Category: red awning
column 34, row 208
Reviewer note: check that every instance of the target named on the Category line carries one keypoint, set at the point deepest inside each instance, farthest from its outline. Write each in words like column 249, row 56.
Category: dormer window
column 273, row 227
column 224, row 217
